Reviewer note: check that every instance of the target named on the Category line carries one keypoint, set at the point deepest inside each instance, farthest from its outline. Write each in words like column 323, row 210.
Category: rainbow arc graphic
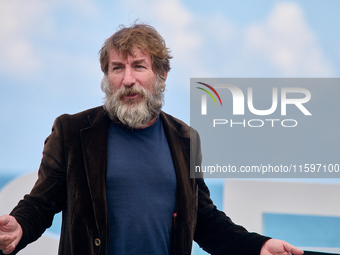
column 209, row 93
column 204, row 97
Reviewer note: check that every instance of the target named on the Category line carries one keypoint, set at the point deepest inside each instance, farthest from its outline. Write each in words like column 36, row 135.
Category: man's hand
column 10, row 233
column 278, row 247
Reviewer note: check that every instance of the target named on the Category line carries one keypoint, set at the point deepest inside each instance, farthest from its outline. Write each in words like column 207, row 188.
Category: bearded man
column 120, row 172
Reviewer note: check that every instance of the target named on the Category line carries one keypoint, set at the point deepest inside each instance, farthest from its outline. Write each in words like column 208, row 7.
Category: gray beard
column 132, row 113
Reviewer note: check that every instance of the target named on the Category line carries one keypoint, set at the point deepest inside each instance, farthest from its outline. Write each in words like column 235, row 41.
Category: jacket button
column 97, row 241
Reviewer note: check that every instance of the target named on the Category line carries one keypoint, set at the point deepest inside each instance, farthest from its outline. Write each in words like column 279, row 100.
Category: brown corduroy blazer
column 72, row 178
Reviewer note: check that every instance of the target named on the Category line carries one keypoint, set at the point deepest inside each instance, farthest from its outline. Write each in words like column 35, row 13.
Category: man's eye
column 139, row 66
column 116, row 68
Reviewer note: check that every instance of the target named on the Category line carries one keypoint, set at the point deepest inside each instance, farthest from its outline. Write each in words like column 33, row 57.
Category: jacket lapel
column 178, row 135
column 179, row 143
column 94, row 146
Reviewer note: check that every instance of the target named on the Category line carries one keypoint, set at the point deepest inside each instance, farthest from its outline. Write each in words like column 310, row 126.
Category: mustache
column 125, row 91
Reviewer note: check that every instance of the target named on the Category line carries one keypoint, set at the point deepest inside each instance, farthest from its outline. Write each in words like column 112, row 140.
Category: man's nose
column 129, row 78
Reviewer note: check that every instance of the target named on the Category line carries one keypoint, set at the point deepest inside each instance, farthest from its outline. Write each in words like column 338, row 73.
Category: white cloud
column 22, row 22
column 220, row 28
column 177, row 21
column 178, row 26
column 288, row 43
column 17, row 21
column 200, row 42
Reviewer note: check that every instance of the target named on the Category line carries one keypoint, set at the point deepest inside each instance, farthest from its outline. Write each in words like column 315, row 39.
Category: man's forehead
column 136, row 54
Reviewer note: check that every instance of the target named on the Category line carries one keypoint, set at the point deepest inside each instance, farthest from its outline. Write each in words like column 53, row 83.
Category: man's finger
column 9, row 249
column 4, row 219
column 5, row 241
column 292, row 249
column 8, row 243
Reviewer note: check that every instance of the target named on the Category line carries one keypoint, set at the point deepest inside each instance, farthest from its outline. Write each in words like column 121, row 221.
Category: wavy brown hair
column 145, row 38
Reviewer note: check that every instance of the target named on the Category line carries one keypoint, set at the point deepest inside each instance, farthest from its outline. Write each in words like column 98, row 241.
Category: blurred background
column 49, row 60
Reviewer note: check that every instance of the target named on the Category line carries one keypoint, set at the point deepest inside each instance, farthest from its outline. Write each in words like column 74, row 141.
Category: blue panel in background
column 6, row 178
column 216, row 191
column 303, row 230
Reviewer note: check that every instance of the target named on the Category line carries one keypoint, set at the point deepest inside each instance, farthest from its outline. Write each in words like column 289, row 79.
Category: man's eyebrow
column 139, row 61
column 115, row 63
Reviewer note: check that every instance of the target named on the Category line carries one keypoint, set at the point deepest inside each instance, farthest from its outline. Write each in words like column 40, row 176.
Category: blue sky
column 49, row 54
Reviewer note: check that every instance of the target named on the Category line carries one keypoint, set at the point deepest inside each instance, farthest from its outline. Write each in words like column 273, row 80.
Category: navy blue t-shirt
column 140, row 190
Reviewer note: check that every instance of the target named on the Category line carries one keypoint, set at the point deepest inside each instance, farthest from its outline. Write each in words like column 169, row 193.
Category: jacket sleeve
column 215, row 232
column 36, row 211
